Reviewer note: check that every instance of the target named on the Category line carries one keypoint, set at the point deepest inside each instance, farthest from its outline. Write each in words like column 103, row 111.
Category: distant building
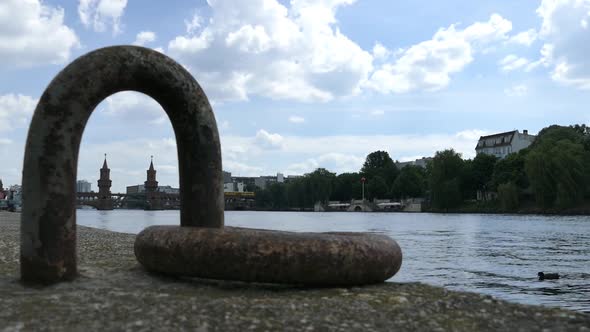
column 422, row 162
column 83, row 186
column 15, row 193
column 263, row 181
column 248, row 181
column 2, row 194
column 168, row 190
column 503, row 144
column 140, row 188
column 290, row 178
column 227, row 177
column 233, row 187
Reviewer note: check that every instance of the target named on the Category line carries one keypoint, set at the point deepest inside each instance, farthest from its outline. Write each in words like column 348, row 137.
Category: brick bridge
column 151, row 199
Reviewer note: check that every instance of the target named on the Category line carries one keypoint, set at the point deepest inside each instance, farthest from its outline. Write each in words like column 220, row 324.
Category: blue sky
column 301, row 84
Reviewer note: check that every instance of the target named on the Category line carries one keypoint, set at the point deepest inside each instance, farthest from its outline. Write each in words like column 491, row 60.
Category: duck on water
column 548, row 276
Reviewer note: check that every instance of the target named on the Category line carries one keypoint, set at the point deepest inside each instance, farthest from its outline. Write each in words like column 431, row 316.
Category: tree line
column 553, row 173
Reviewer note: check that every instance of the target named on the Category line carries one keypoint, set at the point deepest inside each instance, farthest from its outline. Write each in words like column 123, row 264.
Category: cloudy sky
column 301, row 84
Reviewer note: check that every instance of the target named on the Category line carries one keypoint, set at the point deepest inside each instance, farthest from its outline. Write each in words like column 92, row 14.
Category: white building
column 503, row 144
column 83, row 186
column 233, row 187
column 422, row 162
column 263, row 181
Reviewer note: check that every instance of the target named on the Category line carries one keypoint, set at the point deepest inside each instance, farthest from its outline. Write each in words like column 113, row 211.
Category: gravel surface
column 115, row 293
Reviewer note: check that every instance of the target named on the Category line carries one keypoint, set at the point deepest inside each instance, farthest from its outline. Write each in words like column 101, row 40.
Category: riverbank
column 529, row 208
column 115, row 293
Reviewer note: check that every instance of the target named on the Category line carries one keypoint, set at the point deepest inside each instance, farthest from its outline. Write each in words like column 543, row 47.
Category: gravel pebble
column 115, row 293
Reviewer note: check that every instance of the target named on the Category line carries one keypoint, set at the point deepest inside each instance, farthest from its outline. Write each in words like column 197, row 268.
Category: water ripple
column 497, row 255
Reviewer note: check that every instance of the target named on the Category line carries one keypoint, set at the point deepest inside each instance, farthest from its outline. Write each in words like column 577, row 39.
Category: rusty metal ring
column 255, row 255
column 201, row 246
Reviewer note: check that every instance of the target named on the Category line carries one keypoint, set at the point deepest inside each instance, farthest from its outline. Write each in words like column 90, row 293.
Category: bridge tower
column 151, row 189
column 105, row 201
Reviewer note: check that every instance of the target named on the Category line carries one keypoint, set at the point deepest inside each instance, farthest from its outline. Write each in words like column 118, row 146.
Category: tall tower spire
column 104, row 183
column 104, row 187
column 151, row 188
column 151, row 184
column 152, row 164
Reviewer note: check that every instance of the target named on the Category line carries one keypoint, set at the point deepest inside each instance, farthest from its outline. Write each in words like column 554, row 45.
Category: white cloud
column 193, row 25
column 567, row 40
column 526, row 38
column 128, row 160
column 102, row 13
column 241, row 169
column 471, row 134
column 296, row 119
column 334, row 162
column 517, row 90
column 377, row 112
column 159, row 120
column 428, row 65
column 168, row 169
column 264, row 48
column 130, row 103
column 302, row 154
column 32, row 33
column 380, row 51
column 512, row 62
column 144, row 37
column 15, row 111
column 268, row 140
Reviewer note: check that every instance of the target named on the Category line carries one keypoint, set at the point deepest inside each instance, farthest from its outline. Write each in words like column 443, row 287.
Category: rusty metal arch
column 48, row 226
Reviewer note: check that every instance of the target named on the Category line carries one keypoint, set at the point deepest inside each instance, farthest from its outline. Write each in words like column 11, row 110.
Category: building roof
column 504, row 142
column 151, row 163
column 499, row 134
column 104, row 164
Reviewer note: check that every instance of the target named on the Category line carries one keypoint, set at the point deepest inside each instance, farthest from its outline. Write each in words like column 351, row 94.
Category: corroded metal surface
column 269, row 256
column 48, row 231
column 202, row 247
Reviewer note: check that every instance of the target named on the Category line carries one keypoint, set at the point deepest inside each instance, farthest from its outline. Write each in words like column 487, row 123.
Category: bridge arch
column 48, row 226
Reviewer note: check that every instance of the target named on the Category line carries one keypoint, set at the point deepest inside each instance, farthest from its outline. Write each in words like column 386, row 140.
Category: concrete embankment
column 115, row 293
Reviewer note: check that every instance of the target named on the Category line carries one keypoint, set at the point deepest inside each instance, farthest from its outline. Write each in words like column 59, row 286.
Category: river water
column 498, row 255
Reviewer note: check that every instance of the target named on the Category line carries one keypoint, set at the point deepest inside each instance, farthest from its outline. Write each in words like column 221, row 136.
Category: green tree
column 379, row 163
column 541, row 174
column 346, row 187
column 376, row 188
column 263, row 198
column 411, row 182
column 319, row 186
column 467, row 180
column 510, row 169
column 482, row 170
column 558, row 166
column 508, row 196
column 278, row 196
column 296, row 193
column 446, row 171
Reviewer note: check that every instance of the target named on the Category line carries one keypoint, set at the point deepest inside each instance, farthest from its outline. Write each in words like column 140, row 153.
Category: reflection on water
column 498, row 255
